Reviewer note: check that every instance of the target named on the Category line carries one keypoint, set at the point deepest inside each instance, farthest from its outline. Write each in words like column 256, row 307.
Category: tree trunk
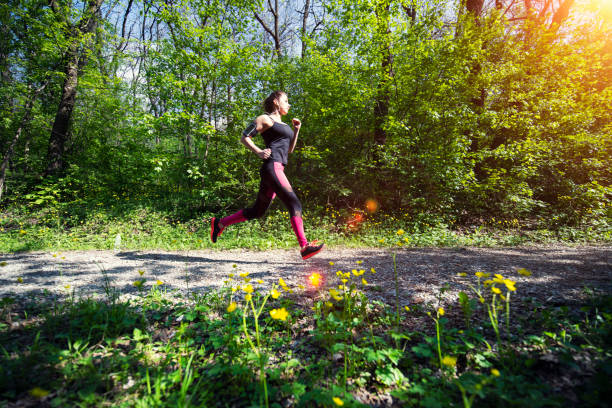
column 74, row 61
column 383, row 97
column 304, row 23
column 9, row 153
column 59, row 131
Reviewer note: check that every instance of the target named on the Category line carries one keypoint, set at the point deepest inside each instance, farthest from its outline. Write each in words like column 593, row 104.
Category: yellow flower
column 406, row 240
column 234, row 289
column 20, row 279
column 400, row 232
column 482, row 274
column 260, row 281
column 55, row 255
column 510, row 285
column 279, row 314
column 38, row 392
column 449, row 361
column 373, row 270
column 365, row 282
column 244, row 274
column 462, row 274
column 22, row 232
column 275, row 293
column 301, row 287
column 344, row 280
column 248, row 288
column 248, row 297
column 441, row 311
column 356, row 273
column 335, row 294
column 281, row 282
column 488, row 282
column 66, row 286
column 141, row 272
column 339, row 273
column 232, row 306
column 159, row 282
column 231, row 275
column 338, row 401
column 329, row 304
column 524, row 272
column 359, row 262
column 382, row 240
column 498, row 276
column 331, row 263
column 137, row 283
column 496, row 290
column 495, row 372
column 406, row 308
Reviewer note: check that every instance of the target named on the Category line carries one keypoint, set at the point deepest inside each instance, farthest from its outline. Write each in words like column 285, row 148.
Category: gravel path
column 560, row 273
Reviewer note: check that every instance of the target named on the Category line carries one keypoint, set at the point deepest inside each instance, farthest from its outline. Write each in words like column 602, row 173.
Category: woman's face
column 283, row 104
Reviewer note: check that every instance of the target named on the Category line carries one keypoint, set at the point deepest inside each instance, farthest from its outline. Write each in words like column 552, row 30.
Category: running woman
column 280, row 140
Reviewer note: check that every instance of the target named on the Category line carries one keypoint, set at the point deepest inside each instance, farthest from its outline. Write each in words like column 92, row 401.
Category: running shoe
column 215, row 230
column 311, row 250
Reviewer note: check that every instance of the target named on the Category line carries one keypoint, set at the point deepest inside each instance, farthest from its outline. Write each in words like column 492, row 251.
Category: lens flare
column 371, row 205
column 315, row 279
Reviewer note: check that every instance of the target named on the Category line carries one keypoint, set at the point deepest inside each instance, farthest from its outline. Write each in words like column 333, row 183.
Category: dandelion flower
column 331, row 263
column 260, row 281
column 495, row 372
column 406, row 308
column 482, row 274
column 373, row 270
column 365, row 282
column 279, row 314
column 66, row 286
column 281, row 282
column 275, row 293
column 244, row 274
column 449, row 361
column 358, row 273
column 315, row 279
column 248, row 288
column 159, row 282
column 338, row 401
column 400, row 232
column 441, row 311
column 248, row 297
column 498, row 276
column 524, row 272
column 359, row 262
column 488, row 282
column 495, row 290
column 231, row 275
column 462, row 274
column 232, row 306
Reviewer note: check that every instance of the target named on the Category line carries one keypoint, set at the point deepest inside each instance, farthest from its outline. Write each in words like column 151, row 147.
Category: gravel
column 559, row 273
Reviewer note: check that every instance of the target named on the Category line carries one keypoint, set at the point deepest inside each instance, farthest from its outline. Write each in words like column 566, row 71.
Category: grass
column 97, row 225
column 248, row 346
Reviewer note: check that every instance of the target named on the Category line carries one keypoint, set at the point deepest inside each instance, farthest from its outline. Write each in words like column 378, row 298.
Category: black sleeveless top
column 278, row 139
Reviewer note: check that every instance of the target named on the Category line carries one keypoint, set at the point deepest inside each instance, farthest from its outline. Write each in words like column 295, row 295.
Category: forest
column 439, row 113
column 455, row 157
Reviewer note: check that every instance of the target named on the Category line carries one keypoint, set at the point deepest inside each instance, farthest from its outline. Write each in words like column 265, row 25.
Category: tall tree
column 74, row 60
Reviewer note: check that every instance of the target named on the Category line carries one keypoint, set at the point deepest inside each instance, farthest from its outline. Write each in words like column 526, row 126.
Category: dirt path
column 560, row 273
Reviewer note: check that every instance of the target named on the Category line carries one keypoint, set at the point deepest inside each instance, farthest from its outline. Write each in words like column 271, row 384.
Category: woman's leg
column 285, row 192
column 264, row 199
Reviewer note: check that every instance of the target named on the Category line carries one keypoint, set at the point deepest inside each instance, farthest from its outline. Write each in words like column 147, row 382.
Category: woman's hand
column 297, row 124
column 264, row 154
